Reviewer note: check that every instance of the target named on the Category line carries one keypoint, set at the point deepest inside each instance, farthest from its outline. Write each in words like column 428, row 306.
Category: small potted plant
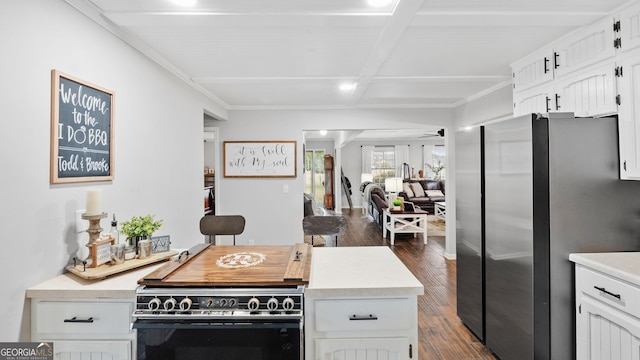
column 397, row 204
column 139, row 228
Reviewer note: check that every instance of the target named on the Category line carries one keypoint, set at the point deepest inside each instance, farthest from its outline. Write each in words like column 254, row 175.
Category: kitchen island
column 361, row 303
column 607, row 305
column 358, row 299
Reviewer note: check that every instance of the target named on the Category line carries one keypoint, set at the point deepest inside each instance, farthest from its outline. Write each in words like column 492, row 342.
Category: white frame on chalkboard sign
column 56, row 125
column 260, row 159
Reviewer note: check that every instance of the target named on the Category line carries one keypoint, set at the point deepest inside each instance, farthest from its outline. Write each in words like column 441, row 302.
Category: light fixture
column 347, row 86
column 185, row 2
column 378, row 3
column 323, row 132
column 393, row 185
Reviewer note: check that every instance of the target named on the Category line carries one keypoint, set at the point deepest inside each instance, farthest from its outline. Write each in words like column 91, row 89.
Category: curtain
column 367, row 154
column 402, row 156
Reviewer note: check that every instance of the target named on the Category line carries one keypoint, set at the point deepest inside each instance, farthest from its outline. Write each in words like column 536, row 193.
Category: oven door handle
column 363, row 317
column 201, row 325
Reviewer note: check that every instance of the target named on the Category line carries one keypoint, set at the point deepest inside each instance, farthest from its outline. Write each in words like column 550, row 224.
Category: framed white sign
column 260, row 159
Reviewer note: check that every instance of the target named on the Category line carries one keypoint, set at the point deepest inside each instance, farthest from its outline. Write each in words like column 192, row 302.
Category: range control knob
column 154, row 304
column 185, row 304
column 272, row 304
column 253, row 304
column 288, row 304
column 232, row 302
column 170, row 304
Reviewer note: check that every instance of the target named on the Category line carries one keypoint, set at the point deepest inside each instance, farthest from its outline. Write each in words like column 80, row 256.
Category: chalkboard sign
column 81, row 130
column 260, row 159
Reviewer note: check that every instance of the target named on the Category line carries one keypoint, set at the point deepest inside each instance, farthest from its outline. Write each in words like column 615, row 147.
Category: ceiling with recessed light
column 295, row 54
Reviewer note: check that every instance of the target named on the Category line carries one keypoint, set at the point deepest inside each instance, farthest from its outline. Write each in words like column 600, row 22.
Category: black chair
column 324, row 225
column 213, row 225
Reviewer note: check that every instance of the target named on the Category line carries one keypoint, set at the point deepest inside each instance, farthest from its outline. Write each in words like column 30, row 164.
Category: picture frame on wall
column 82, row 130
column 260, row 159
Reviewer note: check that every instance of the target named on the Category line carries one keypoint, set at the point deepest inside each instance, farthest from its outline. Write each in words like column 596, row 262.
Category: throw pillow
column 417, row 189
column 434, row 193
column 407, row 190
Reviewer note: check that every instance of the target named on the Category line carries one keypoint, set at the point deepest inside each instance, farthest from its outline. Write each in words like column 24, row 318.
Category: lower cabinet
column 363, row 349
column 90, row 350
column 84, row 328
column 607, row 323
column 361, row 328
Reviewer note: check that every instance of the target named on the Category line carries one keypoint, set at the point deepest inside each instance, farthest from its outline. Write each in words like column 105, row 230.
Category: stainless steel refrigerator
column 530, row 191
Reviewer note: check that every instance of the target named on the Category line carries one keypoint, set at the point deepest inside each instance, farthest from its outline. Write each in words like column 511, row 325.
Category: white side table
column 404, row 222
column 440, row 210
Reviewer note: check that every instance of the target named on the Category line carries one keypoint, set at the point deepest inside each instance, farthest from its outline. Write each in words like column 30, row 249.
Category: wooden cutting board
column 210, row 265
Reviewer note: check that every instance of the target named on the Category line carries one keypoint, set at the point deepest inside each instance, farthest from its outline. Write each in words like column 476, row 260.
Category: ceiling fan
column 439, row 133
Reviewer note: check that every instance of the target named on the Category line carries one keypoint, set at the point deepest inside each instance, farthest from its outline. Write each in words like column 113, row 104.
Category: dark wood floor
column 440, row 332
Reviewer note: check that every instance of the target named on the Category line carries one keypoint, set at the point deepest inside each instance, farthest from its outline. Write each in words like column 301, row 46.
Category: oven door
column 202, row 339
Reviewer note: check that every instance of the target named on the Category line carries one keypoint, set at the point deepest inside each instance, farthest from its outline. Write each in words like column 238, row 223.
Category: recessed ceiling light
column 185, row 2
column 347, row 86
column 323, row 132
column 378, row 3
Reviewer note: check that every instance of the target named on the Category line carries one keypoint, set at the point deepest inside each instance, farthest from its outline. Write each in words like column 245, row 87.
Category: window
column 383, row 163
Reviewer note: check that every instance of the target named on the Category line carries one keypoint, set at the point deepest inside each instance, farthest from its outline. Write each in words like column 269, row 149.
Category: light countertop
column 360, row 271
column 623, row 265
column 71, row 286
column 341, row 271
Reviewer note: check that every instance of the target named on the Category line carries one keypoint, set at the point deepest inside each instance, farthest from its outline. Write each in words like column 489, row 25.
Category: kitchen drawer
column 57, row 317
column 362, row 314
column 588, row 282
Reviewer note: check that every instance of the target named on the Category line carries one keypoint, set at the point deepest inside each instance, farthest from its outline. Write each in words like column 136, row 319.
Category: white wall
column 158, row 146
column 275, row 217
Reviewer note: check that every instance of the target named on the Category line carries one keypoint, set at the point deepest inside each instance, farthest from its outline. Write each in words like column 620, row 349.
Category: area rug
column 435, row 227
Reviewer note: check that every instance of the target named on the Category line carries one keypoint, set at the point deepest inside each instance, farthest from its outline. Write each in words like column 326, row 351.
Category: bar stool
column 324, row 225
column 213, row 225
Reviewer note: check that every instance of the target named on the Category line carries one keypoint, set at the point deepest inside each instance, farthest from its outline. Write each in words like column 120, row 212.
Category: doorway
column 314, row 174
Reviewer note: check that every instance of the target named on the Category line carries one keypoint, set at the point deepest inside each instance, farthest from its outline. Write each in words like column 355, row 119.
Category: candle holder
column 95, row 228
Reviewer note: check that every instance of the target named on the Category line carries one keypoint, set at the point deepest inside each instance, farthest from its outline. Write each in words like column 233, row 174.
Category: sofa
column 423, row 193
column 377, row 204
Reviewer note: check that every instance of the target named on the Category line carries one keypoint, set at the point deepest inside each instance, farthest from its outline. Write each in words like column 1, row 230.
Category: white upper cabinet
column 589, row 45
column 590, row 92
column 628, row 120
column 629, row 25
column 535, row 69
column 540, row 99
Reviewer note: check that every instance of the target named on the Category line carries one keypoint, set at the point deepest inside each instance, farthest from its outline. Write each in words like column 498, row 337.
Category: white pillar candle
column 94, row 202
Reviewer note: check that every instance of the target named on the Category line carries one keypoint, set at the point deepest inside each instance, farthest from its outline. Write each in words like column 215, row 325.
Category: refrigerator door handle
column 617, row 296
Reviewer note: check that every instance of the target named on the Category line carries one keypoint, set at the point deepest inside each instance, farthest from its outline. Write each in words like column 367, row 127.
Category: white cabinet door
column 604, row 333
column 533, row 70
column 541, row 99
column 585, row 47
column 365, row 349
column 91, row 350
column 630, row 27
column 591, row 92
column 628, row 121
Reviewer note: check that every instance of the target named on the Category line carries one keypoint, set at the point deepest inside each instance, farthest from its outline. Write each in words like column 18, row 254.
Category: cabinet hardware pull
column 546, row 65
column 76, row 320
column 363, row 317
column 617, row 296
column 410, row 351
column 558, row 102
column 546, row 100
column 556, row 63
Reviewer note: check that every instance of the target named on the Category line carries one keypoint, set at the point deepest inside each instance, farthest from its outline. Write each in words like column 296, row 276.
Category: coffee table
column 404, row 222
column 440, row 210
